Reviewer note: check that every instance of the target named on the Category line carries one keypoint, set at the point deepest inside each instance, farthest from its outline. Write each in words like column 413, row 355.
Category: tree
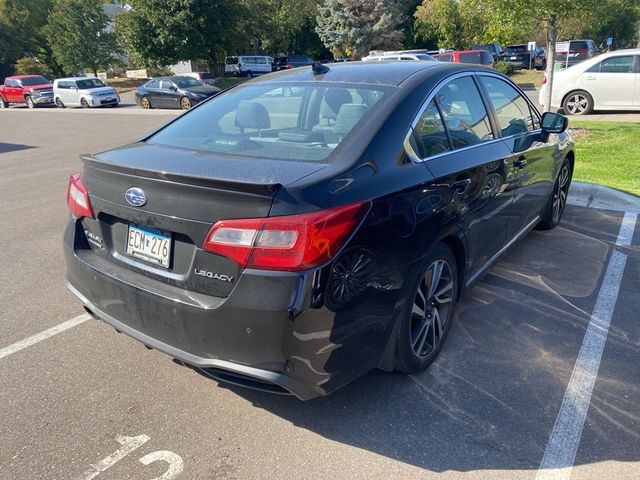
column 163, row 32
column 440, row 20
column 353, row 27
column 30, row 66
column 546, row 13
column 77, row 33
column 21, row 33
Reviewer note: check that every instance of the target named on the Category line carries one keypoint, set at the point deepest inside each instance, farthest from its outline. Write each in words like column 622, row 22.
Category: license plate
column 514, row 58
column 149, row 244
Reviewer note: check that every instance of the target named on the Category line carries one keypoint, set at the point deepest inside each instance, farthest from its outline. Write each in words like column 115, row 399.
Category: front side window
column 512, row 111
column 431, row 133
column 464, row 113
column 256, row 121
column 614, row 65
column 165, row 84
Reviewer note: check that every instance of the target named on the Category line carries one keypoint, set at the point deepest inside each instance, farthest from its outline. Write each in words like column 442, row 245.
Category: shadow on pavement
column 13, row 147
column 490, row 400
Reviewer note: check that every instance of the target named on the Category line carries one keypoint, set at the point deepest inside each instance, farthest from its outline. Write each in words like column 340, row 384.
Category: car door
column 471, row 168
column 532, row 160
column 170, row 95
column 15, row 92
column 612, row 82
column 69, row 93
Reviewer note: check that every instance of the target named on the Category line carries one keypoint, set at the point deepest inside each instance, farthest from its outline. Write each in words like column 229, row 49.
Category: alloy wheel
column 431, row 308
column 84, row 103
column 29, row 101
column 59, row 103
column 577, row 104
column 560, row 193
column 185, row 103
column 144, row 103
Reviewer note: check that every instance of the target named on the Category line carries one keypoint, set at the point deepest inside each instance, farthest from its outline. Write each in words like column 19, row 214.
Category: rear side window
column 257, row 121
column 431, row 133
column 153, row 84
column 464, row 113
column 470, row 58
column 512, row 111
column 614, row 65
column 445, row 58
column 487, row 59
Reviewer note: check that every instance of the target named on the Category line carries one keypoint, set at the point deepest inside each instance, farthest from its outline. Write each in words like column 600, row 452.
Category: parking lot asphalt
column 91, row 403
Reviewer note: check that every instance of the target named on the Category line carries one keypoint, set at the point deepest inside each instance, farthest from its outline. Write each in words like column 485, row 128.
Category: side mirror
column 554, row 123
column 173, row 88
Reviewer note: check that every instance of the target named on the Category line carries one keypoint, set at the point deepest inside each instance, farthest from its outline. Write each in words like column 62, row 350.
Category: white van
column 247, row 65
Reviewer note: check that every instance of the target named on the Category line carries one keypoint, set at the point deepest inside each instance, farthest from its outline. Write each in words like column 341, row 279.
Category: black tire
column 249, row 74
column 3, row 104
column 552, row 213
column 428, row 313
column 59, row 103
column 185, row 103
column 578, row 102
column 84, row 103
column 29, row 101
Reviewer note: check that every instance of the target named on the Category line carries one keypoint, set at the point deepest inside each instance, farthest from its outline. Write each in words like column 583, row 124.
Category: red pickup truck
column 30, row 89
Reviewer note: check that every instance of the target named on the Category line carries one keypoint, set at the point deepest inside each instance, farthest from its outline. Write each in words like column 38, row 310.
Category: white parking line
column 38, row 337
column 560, row 453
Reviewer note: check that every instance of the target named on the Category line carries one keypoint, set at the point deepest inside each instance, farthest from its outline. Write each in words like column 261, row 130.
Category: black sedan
column 173, row 92
column 522, row 57
column 292, row 244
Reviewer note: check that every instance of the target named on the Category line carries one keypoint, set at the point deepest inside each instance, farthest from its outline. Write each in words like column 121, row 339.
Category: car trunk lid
column 185, row 193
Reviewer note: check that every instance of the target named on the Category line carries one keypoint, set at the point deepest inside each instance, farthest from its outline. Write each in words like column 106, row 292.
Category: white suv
column 83, row 92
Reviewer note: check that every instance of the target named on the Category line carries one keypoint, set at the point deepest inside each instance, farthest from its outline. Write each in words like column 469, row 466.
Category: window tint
column 430, row 130
column 512, row 111
column 470, row 58
column 614, row 65
column 464, row 113
column 153, row 84
column 445, row 58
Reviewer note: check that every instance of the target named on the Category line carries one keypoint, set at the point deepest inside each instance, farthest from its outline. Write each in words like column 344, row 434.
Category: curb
column 592, row 195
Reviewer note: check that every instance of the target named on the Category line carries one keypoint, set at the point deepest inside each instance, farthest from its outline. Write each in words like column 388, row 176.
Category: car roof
column 26, row 76
column 74, row 78
column 376, row 73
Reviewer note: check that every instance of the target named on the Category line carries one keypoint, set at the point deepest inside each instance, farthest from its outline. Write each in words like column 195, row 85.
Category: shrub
column 32, row 66
column 507, row 68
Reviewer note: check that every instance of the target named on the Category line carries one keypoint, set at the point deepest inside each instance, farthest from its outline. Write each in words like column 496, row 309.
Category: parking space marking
column 129, row 444
column 38, row 337
column 626, row 229
column 560, row 453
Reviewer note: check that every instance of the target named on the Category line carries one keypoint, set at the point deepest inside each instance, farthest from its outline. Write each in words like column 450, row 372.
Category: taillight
column 78, row 198
column 288, row 66
column 291, row 242
column 544, row 80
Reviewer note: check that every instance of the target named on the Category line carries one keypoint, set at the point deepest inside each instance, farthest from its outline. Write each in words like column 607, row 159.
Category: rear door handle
column 590, row 77
column 520, row 163
column 461, row 186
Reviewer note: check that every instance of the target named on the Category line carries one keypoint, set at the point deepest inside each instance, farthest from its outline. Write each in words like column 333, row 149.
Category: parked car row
column 35, row 90
column 252, row 65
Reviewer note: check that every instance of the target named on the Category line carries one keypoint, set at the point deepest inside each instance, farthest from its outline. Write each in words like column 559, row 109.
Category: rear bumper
column 207, row 365
column 265, row 331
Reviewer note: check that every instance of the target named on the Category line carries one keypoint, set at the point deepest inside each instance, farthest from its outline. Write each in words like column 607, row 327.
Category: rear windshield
column 231, row 60
column 270, row 121
column 470, row 58
column 516, row 49
column 579, row 45
column 90, row 83
column 35, row 80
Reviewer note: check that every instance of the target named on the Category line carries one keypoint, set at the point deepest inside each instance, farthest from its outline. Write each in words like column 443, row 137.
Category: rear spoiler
column 209, row 182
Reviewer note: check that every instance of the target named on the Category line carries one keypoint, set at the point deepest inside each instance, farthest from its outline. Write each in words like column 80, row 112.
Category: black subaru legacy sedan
column 292, row 244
